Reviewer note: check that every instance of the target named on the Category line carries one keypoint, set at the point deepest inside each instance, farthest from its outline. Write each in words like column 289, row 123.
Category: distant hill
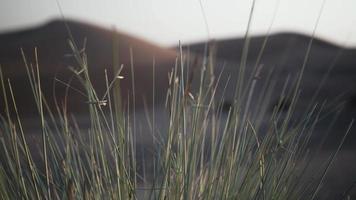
column 54, row 52
column 280, row 48
column 285, row 54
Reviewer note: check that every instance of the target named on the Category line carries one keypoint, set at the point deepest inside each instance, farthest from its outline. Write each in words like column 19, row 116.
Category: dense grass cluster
column 202, row 155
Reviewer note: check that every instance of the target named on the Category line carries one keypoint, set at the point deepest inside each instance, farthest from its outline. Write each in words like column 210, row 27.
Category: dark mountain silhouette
column 54, row 55
column 285, row 53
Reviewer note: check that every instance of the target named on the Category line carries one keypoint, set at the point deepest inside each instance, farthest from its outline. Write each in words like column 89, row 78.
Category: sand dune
column 104, row 48
column 285, row 53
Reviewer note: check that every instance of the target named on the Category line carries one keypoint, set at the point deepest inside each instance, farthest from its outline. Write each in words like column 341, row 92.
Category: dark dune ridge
column 54, row 55
column 285, row 52
column 329, row 69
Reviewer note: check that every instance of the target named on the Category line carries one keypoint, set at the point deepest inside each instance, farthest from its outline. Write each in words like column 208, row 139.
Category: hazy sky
column 165, row 22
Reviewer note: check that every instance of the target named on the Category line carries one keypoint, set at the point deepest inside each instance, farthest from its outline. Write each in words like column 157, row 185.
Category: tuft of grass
column 209, row 151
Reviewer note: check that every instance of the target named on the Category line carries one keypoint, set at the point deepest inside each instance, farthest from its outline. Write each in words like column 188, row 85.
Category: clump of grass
column 208, row 151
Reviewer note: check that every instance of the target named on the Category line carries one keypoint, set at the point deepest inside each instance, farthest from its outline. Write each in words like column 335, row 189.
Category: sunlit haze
column 165, row 22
